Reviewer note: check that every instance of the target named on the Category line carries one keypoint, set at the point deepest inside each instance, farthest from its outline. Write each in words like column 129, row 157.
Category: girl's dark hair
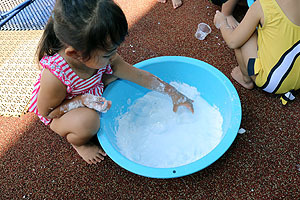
column 86, row 25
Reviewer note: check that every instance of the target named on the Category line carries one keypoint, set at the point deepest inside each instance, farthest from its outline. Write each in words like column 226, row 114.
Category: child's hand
column 182, row 101
column 97, row 103
column 219, row 19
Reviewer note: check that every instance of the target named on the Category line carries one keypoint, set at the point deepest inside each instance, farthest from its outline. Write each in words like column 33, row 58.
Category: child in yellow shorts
column 267, row 46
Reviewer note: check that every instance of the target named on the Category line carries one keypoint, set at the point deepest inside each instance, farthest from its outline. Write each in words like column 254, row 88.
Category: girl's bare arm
column 123, row 70
column 52, row 102
column 51, row 94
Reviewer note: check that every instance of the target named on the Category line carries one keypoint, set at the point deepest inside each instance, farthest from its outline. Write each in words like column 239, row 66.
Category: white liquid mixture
column 151, row 134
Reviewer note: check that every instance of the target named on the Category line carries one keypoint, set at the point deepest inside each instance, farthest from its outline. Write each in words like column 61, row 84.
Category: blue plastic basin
column 213, row 86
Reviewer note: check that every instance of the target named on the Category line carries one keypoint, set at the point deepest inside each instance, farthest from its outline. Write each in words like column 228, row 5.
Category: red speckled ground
column 35, row 163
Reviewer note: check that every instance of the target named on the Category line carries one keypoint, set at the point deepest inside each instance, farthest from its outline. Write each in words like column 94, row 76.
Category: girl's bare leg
column 79, row 126
column 162, row 1
column 240, row 73
column 176, row 3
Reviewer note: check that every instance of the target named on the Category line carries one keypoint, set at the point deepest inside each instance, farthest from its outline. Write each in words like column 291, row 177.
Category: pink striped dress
column 75, row 85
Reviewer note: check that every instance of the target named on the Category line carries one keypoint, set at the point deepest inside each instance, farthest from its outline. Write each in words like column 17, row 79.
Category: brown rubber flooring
column 263, row 163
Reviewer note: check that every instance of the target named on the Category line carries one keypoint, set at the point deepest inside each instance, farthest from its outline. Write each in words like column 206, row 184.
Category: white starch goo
column 151, row 134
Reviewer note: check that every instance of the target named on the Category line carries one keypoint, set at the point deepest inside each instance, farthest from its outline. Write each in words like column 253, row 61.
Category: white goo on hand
column 97, row 103
column 151, row 134
column 157, row 85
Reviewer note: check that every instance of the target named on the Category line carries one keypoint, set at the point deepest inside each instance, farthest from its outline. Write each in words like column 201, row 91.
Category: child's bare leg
column 79, row 126
column 240, row 73
column 176, row 3
column 237, row 74
column 162, row 1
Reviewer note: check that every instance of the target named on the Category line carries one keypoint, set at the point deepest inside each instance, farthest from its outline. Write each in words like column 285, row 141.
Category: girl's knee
column 86, row 125
column 81, row 122
column 87, row 120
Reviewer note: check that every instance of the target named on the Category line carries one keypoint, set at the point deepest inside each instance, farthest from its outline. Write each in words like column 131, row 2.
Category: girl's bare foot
column 239, row 77
column 232, row 22
column 176, row 3
column 90, row 152
column 162, row 1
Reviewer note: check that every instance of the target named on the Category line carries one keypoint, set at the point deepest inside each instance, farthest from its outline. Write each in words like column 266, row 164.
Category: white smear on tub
column 242, row 131
column 151, row 134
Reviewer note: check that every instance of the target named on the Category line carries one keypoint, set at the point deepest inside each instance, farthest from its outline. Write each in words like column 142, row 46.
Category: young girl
column 78, row 56
column 269, row 55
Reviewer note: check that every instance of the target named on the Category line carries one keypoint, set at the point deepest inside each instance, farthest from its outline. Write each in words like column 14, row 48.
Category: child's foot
column 239, row 77
column 162, row 1
column 90, row 152
column 232, row 22
column 176, row 3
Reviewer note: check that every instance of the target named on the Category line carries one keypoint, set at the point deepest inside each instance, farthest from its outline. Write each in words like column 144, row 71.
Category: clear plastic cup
column 202, row 31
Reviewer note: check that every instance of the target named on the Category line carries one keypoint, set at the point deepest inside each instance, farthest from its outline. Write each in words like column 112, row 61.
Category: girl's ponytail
column 86, row 25
column 49, row 43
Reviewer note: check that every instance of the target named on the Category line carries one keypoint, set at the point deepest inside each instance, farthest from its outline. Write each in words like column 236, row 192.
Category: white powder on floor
column 151, row 134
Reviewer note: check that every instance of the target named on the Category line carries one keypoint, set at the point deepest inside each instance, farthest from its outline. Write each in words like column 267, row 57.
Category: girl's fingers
column 188, row 105
column 175, row 108
column 108, row 105
column 97, row 103
column 101, row 99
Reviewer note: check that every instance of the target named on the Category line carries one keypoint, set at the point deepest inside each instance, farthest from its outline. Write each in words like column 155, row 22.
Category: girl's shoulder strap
column 54, row 61
column 108, row 69
column 58, row 67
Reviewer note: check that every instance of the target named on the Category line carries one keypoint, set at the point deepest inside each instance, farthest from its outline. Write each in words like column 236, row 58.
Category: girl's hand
column 219, row 19
column 97, row 103
column 123, row 70
column 181, row 100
